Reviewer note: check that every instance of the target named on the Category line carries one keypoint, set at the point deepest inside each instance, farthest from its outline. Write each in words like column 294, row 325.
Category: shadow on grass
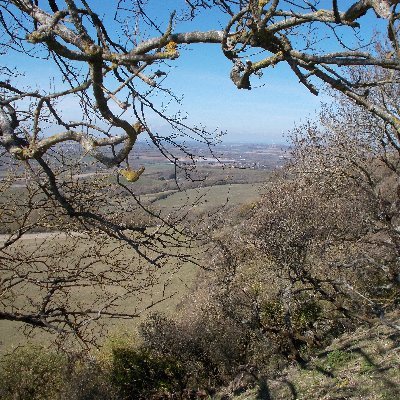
column 264, row 392
column 378, row 372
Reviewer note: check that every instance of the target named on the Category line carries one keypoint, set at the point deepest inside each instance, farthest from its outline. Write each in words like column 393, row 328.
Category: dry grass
column 164, row 287
column 363, row 365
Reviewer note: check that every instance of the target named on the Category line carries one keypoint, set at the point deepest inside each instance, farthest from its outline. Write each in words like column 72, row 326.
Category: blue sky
column 201, row 76
column 266, row 113
column 272, row 107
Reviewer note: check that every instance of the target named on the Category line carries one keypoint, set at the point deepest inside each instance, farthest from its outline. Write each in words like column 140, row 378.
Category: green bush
column 338, row 359
column 208, row 345
column 35, row 373
column 307, row 313
column 32, row 373
column 89, row 380
column 140, row 373
column 272, row 313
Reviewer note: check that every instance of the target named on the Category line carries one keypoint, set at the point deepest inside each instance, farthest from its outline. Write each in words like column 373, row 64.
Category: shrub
column 140, row 373
column 35, row 373
column 89, row 380
column 32, row 373
column 208, row 346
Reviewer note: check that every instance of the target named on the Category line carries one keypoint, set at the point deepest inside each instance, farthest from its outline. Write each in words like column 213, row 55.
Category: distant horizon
column 189, row 141
column 267, row 141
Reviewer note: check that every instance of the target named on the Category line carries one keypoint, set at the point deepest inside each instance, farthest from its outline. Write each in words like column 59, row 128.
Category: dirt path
column 44, row 235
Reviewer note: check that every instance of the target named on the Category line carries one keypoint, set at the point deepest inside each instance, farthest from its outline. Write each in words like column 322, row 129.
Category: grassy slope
column 170, row 281
column 208, row 197
column 363, row 365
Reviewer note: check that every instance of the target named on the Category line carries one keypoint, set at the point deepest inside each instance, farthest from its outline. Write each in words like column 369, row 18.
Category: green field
column 203, row 199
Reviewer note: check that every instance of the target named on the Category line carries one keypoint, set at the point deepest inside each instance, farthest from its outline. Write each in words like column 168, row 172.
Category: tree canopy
column 104, row 68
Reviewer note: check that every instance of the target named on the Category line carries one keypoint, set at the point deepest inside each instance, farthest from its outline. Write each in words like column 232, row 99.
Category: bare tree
column 320, row 250
column 348, row 152
column 329, row 231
